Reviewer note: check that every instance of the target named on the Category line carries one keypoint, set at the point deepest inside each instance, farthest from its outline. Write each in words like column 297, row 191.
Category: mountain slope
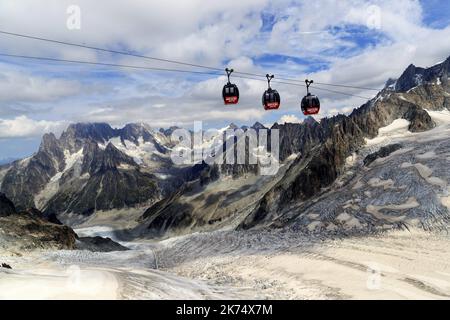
column 405, row 187
column 94, row 167
column 320, row 149
column 113, row 181
column 83, row 171
column 29, row 230
column 324, row 163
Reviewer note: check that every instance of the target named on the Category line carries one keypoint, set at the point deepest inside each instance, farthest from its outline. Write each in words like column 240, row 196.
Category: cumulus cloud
column 358, row 42
column 24, row 127
column 23, row 87
column 289, row 118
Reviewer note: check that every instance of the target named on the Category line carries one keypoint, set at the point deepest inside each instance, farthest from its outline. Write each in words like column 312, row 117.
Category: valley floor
column 221, row 265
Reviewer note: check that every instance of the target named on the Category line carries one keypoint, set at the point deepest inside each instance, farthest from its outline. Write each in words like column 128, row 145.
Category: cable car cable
column 165, row 60
column 324, row 89
column 107, row 50
column 162, row 69
column 346, row 86
column 106, row 64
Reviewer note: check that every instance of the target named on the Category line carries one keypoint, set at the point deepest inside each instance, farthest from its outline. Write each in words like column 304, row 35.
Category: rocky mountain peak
column 97, row 160
column 258, row 125
column 122, row 167
column 232, row 126
column 49, row 142
column 390, row 83
column 77, row 134
column 100, row 132
column 134, row 131
column 414, row 76
column 50, row 154
column 310, row 121
column 136, row 127
column 113, row 157
column 168, row 132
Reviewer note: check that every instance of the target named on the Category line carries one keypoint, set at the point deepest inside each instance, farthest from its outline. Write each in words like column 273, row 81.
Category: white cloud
column 24, row 127
column 20, row 86
column 212, row 33
column 289, row 118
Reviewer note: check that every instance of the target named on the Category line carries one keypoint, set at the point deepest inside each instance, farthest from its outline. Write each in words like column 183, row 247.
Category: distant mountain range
column 93, row 167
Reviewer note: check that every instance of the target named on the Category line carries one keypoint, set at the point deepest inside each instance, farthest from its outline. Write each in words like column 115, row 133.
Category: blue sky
column 436, row 13
column 358, row 42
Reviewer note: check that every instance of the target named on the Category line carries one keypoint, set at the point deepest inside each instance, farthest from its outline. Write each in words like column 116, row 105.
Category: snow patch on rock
column 375, row 210
column 141, row 152
column 72, row 161
column 397, row 129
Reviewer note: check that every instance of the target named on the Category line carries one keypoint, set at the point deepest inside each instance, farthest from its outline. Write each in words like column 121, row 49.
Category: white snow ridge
column 73, row 161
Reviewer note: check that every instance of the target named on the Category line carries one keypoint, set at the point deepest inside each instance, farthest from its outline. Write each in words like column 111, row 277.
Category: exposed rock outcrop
column 27, row 230
column 98, row 244
column 28, row 177
column 382, row 153
column 82, row 172
column 323, row 148
column 95, row 167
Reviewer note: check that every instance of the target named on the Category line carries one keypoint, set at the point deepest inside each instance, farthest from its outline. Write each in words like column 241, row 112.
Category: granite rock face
column 114, row 181
column 94, row 167
column 29, row 230
column 27, row 177
column 83, row 171
column 98, row 244
column 324, row 147
column 382, row 153
column 320, row 150
column 415, row 76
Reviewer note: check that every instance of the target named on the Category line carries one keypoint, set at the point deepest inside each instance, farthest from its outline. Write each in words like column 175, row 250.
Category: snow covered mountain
column 320, row 165
column 90, row 167
column 93, row 167
column 315, row 158
column 399, row 179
